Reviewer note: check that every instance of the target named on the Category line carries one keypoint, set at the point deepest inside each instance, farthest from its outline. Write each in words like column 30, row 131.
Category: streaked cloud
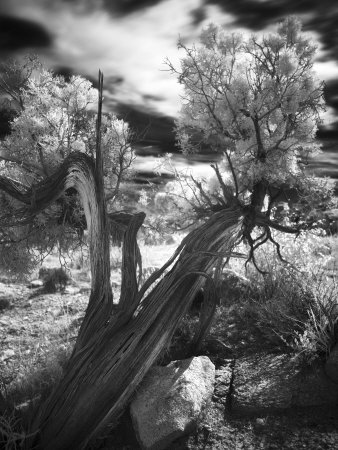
column 130, row 39
column 131, row 47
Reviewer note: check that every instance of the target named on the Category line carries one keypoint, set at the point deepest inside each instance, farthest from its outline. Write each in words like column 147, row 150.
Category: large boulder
column 171, row 401
column 6, row 302
column 264, row 381
column 36, row 284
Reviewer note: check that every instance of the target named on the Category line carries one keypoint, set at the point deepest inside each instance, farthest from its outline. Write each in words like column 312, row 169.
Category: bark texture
column 103, row 374
column 115, row 349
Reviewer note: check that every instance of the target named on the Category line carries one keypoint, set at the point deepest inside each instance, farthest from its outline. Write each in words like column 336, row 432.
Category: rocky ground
column 37, row 331
column 33, row 329
column 293, row 428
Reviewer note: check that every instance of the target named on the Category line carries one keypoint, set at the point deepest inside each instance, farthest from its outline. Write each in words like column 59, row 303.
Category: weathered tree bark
column 115, row 348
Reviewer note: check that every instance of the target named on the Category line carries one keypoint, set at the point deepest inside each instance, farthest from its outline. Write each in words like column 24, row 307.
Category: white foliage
column 57, row 118
column 255, row 98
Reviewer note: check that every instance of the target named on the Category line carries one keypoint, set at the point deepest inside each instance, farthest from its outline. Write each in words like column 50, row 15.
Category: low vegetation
column 285, row 310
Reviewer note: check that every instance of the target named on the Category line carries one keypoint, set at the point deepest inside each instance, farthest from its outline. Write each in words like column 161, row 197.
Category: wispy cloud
column 131, row 47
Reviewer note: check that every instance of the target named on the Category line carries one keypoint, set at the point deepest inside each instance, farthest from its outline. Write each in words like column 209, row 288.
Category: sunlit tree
column 56, row 118
column 53, row 118
column 256, row 101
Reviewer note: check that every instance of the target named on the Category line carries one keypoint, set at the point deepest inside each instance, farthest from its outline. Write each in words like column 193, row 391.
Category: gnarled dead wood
column 115, row 348
column 114, row 351
column 103, row 374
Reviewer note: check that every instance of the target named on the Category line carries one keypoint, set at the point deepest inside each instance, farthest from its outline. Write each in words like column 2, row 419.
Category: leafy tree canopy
column 53, row 118
column 256, row 101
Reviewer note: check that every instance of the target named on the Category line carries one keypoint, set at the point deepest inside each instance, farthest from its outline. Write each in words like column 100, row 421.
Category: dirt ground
column 35, row 327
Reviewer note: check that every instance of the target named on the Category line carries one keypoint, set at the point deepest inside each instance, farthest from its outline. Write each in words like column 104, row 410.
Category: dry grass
column 280, row 312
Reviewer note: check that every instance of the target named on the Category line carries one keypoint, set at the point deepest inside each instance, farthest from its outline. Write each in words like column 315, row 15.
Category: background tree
column 14, row 77
column 256, row 101
column 54, row 117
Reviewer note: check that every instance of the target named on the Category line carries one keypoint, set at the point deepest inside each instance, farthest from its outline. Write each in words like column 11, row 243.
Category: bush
column 54, row 279
column 320, row 331
column 5, row 303
column 295, row 305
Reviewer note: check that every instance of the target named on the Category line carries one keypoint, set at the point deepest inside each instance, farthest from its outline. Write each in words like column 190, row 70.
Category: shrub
column 320, row 331
column 57, row 279
column 294, row 305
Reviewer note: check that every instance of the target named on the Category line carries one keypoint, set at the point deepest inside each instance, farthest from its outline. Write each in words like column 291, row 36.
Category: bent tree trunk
column 115, row 348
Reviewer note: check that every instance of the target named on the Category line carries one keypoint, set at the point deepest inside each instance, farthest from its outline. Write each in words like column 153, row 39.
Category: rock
column 232, row 287
column 115, row 286
column 171, row 401
column 71, row 290
column 170, row 240
column 261, row 421
column 223, row 383
column 7, row 354
column 36, row 284
column 215, row 348
column 270, row 382
column 331, row 366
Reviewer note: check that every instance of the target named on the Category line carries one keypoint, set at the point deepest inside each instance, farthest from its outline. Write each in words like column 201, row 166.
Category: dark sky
column 130, row 39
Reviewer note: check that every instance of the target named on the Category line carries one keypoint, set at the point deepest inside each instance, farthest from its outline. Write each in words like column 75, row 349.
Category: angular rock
column 36, row 283
column 270, row 382
column 331, row 366
column 171, row 401
column 71, row 290
column 7, row 354
column 223, row 383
